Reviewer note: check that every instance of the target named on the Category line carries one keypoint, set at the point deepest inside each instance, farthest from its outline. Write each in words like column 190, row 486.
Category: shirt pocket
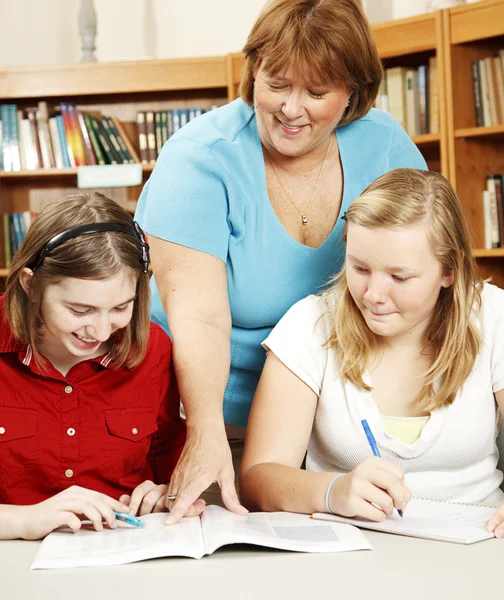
column 128, row 443
column 18, row 428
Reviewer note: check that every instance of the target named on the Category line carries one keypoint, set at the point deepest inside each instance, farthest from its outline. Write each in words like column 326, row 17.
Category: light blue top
column 208, row 192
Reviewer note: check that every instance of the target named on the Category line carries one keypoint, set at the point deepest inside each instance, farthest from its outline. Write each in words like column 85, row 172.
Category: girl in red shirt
column 89, row 407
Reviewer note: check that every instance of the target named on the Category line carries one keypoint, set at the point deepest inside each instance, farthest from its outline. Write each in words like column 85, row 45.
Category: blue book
column 63, row 140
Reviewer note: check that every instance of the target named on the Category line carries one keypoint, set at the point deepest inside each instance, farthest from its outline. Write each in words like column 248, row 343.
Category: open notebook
column 431, row 519
column 195, row 537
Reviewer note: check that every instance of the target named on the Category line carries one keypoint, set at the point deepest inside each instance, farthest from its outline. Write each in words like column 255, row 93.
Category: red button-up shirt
column 103, row 429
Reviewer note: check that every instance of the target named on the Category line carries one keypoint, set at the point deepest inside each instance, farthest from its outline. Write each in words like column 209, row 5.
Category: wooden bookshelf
column 118, row 89
column 472, row 32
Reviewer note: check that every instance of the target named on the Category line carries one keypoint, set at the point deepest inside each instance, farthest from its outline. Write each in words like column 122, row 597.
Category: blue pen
column 374, row 447
column 130, row 519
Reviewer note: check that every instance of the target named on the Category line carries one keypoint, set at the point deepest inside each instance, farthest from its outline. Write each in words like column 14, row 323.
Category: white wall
column 44, row 32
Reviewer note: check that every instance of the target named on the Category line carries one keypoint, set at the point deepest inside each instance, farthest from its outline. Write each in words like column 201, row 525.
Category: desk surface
column 398, row 568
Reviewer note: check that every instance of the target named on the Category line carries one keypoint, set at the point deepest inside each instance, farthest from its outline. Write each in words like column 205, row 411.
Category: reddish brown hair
column 328, row 41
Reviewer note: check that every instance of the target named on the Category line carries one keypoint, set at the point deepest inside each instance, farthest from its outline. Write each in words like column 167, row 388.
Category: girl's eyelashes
column 317, row 95
column 276, row 88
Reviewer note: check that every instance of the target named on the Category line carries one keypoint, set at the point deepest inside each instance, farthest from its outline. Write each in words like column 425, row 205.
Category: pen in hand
column 374, row 447
column 130, row 519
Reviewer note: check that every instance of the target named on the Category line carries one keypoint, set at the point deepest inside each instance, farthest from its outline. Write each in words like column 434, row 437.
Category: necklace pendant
column 304, row 219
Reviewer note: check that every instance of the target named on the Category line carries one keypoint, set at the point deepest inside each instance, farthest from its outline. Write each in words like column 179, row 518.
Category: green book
column 94, row 140
column 125, row 153
column 114, row 144
column 100, row 133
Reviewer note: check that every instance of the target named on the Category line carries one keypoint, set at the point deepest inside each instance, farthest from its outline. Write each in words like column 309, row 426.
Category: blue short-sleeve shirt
column 208, row 192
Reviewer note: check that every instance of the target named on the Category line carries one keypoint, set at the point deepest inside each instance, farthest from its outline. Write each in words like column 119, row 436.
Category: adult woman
column 409, row 339
column 89, row 407
column 242, row 212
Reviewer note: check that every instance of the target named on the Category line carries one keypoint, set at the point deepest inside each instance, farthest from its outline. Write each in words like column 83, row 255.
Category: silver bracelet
column 328, row 492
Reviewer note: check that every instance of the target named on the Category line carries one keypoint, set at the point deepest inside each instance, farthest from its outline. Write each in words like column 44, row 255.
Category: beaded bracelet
column 328, row 492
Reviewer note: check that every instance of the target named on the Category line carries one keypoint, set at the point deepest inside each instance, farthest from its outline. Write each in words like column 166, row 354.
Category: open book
column 195, row 537
column 431, row 519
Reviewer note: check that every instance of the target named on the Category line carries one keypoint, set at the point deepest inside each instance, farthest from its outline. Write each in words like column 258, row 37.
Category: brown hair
column 328, row 41
column 402, row 198
column 97, row 256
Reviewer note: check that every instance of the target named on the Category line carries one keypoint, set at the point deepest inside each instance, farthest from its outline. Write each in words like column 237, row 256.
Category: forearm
column 201, row 355
column 11, row 523
column 275, row 487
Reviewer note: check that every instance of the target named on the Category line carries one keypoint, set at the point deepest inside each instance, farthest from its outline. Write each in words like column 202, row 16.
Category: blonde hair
column 328, row 41
column 403, row 198
column 97, row 256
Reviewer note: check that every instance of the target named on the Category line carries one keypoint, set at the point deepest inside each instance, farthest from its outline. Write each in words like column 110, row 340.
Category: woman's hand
column 372, row 490
column 205, row 459
column 66, row 509
column 146, row 498
column 496, row 523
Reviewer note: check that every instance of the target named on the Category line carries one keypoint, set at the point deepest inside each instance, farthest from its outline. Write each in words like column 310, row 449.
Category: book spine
column 494, row 188
column 29, row 148
column 499, row 88
column 100, row 158
column 4, row 112
column 55, row 142
column 125, row 154
column 164, row 127
column 42, row 115
column 78, row 143
column 68, row 134
column 22, row 148
column 7, row 240
column 63, row 141
column 102, row 136
column 113, row 144
column 151, row 137
column 14, row 138
column 492, row 96
column 88, row 147
column 477, row 93
column 142, row 138
column 157, row 129
column 485, row 100
column 124, row 137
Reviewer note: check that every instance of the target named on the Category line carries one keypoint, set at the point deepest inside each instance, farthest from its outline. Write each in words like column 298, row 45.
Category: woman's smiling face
column 295, row 116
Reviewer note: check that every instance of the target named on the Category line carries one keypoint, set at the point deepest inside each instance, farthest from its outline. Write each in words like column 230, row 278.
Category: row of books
column 12, row 232
column 493, row 211
column 156, row 127
column 32, row 139
column 488, row 81
column 412, row 97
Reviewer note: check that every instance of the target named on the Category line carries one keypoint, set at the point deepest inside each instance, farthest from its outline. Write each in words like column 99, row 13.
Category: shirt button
column 69, row 473
column 68, row 389
column 2, row 430
column 134, row 431
column 71, row 431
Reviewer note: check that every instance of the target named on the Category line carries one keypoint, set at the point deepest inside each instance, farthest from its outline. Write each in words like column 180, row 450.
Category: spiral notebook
column 440, row 520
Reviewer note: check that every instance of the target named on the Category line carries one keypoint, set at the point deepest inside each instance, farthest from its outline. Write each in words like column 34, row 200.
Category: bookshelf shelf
column 473, row 32
column 407, row 36
column 427, row 139
column 113, row 78
column 43, row 173
column 475, row 132
column 483, row 253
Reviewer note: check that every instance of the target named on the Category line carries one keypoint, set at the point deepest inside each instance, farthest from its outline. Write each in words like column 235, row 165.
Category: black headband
column 64, row 236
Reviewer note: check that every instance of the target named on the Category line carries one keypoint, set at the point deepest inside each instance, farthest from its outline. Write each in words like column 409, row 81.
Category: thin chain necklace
column 303, row 214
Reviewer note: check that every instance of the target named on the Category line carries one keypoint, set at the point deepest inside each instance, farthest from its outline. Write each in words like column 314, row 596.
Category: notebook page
column 431, row 519
column 90, row 548
column 281, row 530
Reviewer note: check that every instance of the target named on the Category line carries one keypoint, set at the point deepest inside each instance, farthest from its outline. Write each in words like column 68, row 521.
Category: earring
column 348, row 103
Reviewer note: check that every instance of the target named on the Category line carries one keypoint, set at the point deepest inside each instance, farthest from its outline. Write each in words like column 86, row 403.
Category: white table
column 398, row 568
